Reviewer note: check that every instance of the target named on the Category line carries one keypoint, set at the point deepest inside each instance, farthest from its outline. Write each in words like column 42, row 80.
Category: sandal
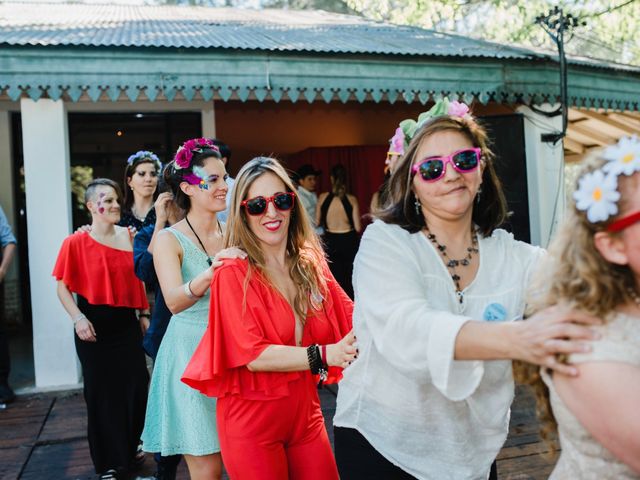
column 139, row 457
column 109, row 475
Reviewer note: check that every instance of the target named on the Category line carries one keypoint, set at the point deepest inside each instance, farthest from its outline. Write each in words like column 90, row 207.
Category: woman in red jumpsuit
column 278, row 321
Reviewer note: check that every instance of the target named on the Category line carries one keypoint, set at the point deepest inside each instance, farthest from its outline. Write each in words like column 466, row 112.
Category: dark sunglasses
column 463, row 161
column 283, row 201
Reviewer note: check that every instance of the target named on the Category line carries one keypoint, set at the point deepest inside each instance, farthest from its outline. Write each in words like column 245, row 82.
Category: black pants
column 341, row 249
column 115, row 385
column 358, row 460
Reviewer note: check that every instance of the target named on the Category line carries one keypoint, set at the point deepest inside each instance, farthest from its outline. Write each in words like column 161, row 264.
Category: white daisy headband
column 597, row 192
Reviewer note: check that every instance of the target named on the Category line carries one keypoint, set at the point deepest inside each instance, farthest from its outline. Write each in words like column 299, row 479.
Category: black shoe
column 109, row 475
column 166, row 473
column 6, row 394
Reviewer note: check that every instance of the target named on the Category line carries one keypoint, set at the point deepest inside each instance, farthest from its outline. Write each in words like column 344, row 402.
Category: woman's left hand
column 145, row 322
column 216, row 261
column 344, row 352
column 552, row 333
column 231, row 252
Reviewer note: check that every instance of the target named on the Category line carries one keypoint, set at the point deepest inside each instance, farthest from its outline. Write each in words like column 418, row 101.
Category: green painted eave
column 138, row 74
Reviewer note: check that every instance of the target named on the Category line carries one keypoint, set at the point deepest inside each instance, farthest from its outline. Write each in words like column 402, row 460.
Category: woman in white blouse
column 437, row 287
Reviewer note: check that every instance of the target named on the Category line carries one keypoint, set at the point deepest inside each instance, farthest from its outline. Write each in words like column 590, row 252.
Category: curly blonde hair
column 577, row 274
column 305, row 255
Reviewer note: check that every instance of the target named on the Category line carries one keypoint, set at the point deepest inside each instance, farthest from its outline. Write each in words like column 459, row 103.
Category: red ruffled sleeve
column 101, row 274
column 239, row 330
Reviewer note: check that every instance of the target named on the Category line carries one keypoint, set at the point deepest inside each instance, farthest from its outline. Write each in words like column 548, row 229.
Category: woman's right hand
column 344, row 352
column 85, row 331
column 551, row 334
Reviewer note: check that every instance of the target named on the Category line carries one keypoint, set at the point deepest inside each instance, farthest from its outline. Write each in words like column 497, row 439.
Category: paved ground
column 44, row 437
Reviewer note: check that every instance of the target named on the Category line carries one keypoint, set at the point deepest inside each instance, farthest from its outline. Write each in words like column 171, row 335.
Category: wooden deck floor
column 44, row 437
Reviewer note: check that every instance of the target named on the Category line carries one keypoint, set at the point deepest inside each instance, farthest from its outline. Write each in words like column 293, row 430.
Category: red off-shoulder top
column 101, row 274
column 241, row 327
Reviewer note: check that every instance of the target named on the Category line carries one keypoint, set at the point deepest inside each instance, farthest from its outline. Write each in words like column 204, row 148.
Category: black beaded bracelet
column 316, row 365
column 315, row 362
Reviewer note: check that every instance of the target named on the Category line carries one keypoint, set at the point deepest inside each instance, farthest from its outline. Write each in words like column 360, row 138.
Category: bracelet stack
column 78, row 317
column 316, row 364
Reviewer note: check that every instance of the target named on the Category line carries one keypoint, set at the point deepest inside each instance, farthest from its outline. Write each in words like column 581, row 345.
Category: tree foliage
column 612, row 30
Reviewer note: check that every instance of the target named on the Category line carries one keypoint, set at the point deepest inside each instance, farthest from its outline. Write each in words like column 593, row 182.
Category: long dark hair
column 175, row 176
column 128, row 173
column 489, row 213
column 339, row 180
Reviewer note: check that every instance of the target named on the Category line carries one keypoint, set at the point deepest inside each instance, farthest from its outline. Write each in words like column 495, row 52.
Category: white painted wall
column 48, row 191
column 545, row 174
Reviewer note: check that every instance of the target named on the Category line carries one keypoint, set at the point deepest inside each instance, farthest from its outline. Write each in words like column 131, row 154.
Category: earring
column 478, row 196
column 418, row 206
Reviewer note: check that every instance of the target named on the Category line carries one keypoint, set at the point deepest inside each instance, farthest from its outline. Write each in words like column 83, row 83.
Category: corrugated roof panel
column 49, row 24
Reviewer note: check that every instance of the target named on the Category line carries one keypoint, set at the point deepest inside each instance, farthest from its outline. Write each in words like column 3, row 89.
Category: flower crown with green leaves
column 408, row 128
column 597, row 192
column 142, row 155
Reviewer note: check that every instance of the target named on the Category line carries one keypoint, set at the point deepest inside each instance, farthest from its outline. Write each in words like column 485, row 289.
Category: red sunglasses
column 434, row 168
column 283, row 201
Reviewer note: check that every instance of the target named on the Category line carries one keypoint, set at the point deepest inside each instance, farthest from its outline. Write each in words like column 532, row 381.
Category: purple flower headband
column 396, row 144
column 145, row 155
column 187, row 149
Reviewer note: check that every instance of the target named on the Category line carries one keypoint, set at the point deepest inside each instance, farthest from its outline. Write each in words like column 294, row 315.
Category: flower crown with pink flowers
column 185, row 152
column 408, row 128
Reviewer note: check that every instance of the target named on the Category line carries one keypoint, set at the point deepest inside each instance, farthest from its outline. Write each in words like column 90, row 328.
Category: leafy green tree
column 611, row 32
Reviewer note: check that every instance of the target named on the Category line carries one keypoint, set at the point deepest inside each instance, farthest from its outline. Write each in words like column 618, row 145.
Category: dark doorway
column 100, row 144
column 507, row 136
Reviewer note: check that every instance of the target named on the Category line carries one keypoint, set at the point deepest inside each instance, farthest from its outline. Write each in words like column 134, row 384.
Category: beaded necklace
column 452, row 263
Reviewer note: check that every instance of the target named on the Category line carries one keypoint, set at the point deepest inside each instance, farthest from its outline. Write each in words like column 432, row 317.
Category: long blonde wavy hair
column 577, row 275
column 305, row 256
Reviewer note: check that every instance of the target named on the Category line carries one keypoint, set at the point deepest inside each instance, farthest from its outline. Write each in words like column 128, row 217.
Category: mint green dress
column 179, row 419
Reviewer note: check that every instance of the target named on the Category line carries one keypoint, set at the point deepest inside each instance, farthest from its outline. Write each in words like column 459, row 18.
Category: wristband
column 188, row 292
column 315, row 362
column 323, row 357
column 78, row 317
column 144, row 315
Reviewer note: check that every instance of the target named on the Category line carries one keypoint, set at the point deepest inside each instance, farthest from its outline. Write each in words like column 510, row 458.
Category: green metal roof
column 114, row 51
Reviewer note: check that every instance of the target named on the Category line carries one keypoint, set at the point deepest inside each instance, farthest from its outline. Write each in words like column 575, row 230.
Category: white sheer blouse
column 435, row 417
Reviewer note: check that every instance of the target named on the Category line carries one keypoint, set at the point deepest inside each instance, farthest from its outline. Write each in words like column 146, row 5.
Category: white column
column 545, row 174
column 208, row 121
column 48, row 190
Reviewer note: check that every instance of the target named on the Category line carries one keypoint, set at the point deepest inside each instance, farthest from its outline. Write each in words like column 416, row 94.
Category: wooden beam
column 573, row 158
column 584, row 139
column 597, row 137
column 573, row 145
column 630, row 120
column 625, row 127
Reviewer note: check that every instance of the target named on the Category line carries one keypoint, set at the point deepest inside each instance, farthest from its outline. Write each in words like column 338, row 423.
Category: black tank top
column 324, row 208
